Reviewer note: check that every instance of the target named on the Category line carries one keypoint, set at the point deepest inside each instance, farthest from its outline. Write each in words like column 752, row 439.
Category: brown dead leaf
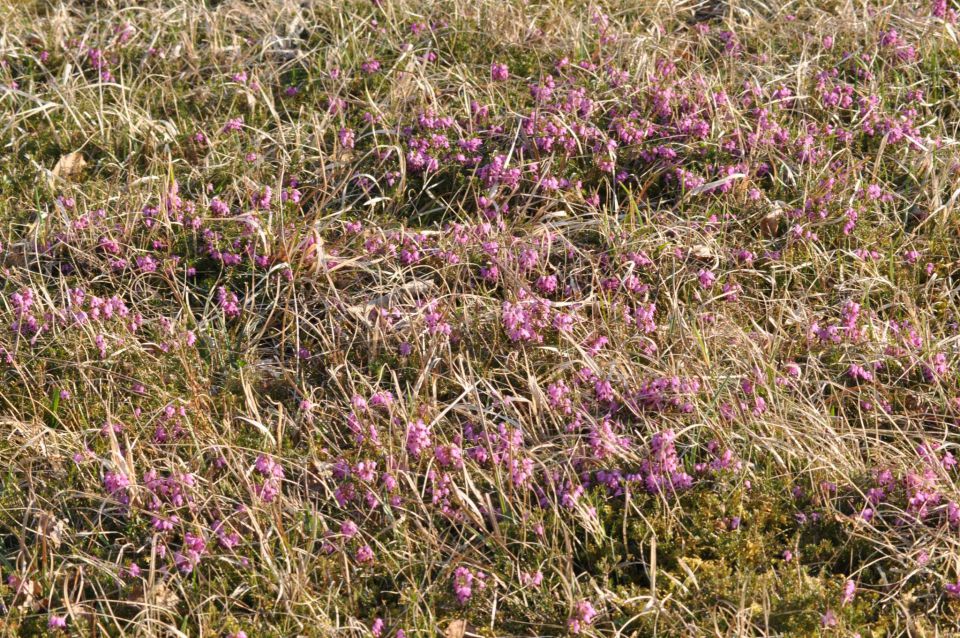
column 29, row 593
column 160, row 595
column 165, row 597
column 701, row 251
column 68, row 167
column 770, row 222
column 456, row 629
column 51, row 528
column 343, row 155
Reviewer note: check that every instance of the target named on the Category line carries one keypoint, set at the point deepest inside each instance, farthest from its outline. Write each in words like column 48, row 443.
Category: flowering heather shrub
column 492, row 318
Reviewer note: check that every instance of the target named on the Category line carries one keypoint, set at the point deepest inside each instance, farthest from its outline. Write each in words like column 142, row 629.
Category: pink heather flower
column 116, row 484
column 348, row 529
column 547, row 284
column 435, row 323
column 644, row 317
column 953, row 590
column 382, row 399
column 57, row 623
column 346, row 137
column 418, row 438
column 219, row 208
column 583, row 615
column 228, row 302
column 269, row 489
column 849, row 591
column 557, row 397
column 268, row 467
column 829, row 619
column 359, row 403
column 859, row 373
column 532, row 579
column 662, row 469
column 163, row 524
column 371, row 66
column 706, row 278
column 364, row 554
column 521, row 470
column 499, row 72
column 936, row 367
column 235, row 124
column 597, row 345
column 462, row 584
column 524, row 319
column 194, row 547
column 377, row 627
column 262, row 199
column 563, row 322
column 604, row 390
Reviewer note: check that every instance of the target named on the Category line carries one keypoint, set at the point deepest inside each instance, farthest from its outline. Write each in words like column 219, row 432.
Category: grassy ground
column 479, row 318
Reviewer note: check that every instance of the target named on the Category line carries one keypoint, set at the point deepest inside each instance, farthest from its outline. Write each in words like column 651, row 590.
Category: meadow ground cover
column 498, row 318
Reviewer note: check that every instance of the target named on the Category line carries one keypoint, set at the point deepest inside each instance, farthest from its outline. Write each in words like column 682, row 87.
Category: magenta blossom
column 582, row 617
column 499, row 72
